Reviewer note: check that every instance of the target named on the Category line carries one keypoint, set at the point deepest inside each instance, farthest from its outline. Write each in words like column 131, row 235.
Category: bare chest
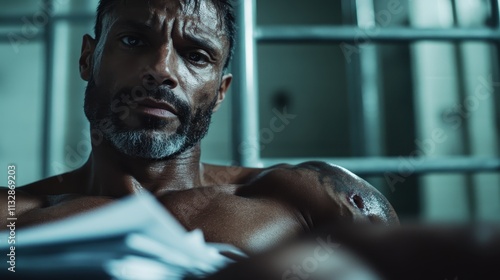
column 250, row 223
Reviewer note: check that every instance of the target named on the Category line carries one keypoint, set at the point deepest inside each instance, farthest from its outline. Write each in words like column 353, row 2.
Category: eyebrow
column 133, row 24
column 203, row 43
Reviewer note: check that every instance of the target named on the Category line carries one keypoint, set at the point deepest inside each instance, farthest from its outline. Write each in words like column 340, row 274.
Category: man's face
column 155, row 76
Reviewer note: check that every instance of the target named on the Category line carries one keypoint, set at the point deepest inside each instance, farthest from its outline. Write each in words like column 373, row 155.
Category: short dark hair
column 223, row 7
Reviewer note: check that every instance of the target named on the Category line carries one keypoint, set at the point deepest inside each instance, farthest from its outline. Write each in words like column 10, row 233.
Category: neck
column 111, row 173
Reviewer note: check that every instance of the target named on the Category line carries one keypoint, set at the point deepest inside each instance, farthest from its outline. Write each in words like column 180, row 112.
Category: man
column 156, row 71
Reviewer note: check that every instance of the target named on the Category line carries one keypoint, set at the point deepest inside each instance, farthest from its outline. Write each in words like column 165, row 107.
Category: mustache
column 136, row 94
column 132, row 96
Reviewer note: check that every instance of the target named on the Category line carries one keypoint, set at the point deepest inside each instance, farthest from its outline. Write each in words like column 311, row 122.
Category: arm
column 427, row 251
column 366, row 203
column 418, row 251
column 327, row 195
column 324, row 194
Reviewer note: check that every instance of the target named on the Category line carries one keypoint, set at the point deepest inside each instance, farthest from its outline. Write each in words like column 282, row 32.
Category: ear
column 88, row 47
column 224, row 86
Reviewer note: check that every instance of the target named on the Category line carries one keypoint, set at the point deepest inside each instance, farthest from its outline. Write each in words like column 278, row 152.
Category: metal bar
column 9, row 37
column 370, row 81
column 75, row 17
column 348, row 34
column 334, row 33
column 48, row 87
column 496, row 66
column 354, row 88
column 402, row 165
column 245, row 126
column 354, row 35
column 462, row 95
column 15, row 20
column 495, row 16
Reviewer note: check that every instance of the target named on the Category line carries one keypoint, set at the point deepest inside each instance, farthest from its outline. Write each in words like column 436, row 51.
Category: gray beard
column 146, row 144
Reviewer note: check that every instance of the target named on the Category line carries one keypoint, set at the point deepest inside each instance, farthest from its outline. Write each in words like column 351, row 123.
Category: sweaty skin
column 253, row 209
column 166, row 46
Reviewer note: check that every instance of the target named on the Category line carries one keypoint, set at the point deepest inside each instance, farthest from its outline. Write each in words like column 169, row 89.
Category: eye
column 132, row 41
column 197, row 57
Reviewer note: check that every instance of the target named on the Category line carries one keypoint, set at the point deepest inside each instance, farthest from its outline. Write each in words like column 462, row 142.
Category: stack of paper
column 134, row 238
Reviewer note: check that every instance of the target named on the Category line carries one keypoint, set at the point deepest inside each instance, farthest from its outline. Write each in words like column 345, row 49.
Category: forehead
column 195, row 16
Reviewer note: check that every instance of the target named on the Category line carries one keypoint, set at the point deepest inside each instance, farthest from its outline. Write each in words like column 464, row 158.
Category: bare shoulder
column 18, row 202
column 327, row 192
column 36, row 195
column 51, row 199
column 56, row 185
column 221, row 175
column 27, row 197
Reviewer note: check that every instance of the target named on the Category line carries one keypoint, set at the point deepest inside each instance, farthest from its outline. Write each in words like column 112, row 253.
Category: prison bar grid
column 245, row 135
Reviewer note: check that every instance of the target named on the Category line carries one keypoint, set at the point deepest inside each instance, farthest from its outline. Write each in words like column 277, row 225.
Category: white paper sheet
column 133, row 236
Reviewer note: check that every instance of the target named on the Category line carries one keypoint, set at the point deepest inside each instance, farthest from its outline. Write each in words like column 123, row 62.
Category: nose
column 162, row 69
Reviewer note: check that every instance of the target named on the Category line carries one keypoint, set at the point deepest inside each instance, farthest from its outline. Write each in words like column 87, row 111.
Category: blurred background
column 403, row 93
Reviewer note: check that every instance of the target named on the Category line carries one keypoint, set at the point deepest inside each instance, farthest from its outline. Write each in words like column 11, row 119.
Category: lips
column 157, row 108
